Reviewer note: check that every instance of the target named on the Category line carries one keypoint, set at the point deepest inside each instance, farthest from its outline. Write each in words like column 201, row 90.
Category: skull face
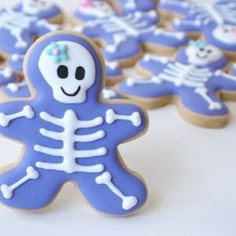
column 225, row 34
column 34, row 7
column 98, row 9
column 202, row 54
column 69, row 69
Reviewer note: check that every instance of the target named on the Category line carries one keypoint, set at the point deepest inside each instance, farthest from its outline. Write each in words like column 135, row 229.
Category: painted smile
column 202, row 56
column 70, row 94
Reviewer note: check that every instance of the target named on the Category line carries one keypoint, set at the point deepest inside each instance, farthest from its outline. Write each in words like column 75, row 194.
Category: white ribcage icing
column 128, row 202
column 184, row 75
column 16, row 23
column 70, row 123
column 130, row 25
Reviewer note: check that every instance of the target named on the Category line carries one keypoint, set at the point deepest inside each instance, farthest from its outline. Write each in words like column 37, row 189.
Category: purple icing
column 130, row 6
column 41, row 189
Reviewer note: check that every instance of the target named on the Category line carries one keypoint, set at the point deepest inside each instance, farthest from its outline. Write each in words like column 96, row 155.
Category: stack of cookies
column 77, row 96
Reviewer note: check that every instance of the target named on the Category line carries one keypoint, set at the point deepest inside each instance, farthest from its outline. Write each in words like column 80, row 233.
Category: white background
column 190, row 173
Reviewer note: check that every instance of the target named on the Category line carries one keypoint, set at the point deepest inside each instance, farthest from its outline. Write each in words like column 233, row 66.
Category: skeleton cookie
column 216, row 21
column 41, row 9
column 194, row 81
column 18, row 31
column 69, row 133
column 123, row 37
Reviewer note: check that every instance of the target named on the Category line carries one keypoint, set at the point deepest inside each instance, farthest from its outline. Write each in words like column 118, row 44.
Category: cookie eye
column 201, row 49
column 226, row 30
column 209, row 51
column 62, row 72
column 80, row 73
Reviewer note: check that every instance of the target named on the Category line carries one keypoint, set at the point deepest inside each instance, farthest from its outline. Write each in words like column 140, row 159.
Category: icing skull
column 33, row 7
column 99, row 9
column 200, row 53
column 225, row 33
column 74, row 74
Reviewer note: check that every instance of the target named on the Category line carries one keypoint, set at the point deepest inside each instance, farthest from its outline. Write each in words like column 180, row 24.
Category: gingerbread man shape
column 193, row 81
column 125, row 36
column 72, row 134
column 216, row 21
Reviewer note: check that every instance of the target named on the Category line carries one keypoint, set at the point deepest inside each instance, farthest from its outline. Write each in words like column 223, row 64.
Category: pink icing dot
column 86, row 3
column 57, row 52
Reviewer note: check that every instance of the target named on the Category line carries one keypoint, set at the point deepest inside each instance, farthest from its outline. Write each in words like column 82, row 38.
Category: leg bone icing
column 7, row 191
column 203, row 92
column 128, row 202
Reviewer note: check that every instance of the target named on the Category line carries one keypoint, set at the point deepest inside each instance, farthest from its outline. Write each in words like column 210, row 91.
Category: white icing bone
column 135, row 118
column 17, row 57
column 14, row 87
column 226, row 76
column 150, row 57
column 177, row 35
column 8, row 190
column 49, row 26
column 108, row 94
column 203, row 92
column 27, row 112
column 6, row 72
column 118, row 40
column 128, row 202
column 154, row 80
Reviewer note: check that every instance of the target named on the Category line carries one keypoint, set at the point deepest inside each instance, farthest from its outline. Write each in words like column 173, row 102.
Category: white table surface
column 190, row 173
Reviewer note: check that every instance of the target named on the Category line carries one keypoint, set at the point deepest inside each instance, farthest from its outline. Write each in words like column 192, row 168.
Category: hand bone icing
column 215, row 20
column 195, row 77
column 75, row 136
column 124, row 35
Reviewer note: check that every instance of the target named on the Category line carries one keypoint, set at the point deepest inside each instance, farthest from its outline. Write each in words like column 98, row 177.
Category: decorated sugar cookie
column 215, row 21
column 72, row 133
column 41, row 9
column 195, row 81
column 123, row 37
